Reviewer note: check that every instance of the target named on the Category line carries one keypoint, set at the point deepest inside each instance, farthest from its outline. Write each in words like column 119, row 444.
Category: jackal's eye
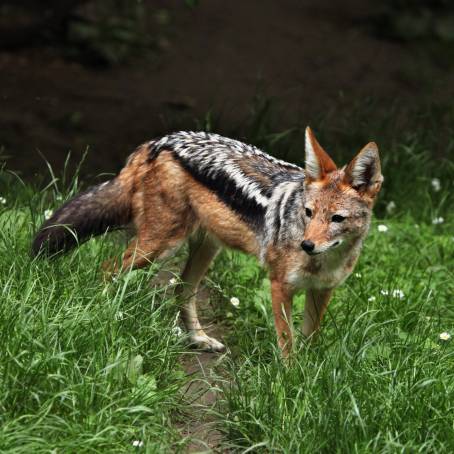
column 308, row 212
column 337, row 218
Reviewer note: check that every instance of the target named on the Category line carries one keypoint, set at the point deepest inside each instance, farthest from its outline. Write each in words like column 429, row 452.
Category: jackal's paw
column 206, row 343
column 109, row 270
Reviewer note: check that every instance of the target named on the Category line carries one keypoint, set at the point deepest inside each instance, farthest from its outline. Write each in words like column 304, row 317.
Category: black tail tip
column 42, row 246
column 52, row 241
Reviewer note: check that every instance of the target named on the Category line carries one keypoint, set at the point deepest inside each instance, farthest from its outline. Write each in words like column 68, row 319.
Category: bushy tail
column 104, row 207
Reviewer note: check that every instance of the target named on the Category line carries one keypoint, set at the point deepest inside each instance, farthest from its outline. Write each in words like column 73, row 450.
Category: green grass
column 84, row 366
column 380, row 379
column 88, row 366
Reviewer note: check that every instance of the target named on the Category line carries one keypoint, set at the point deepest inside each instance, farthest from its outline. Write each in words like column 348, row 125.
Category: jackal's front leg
column 316, row 304
column 282, row 309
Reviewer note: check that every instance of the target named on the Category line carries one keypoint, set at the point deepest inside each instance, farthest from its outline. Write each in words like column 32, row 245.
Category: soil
column 200, row 425
column 312, row 58
column 201, row 391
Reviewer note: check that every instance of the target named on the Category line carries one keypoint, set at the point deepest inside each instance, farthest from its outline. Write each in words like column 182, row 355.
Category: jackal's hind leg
column 202, row 250
column 140, row 253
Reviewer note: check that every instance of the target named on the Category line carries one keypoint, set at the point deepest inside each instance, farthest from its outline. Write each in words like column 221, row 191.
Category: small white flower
column 436, row 186
column 2, row 200
column 371, row 299
column 394, row 293
column 382, row 228
column 445, row 336
column 59, row 197
column 137, row 443
column 438, row 220
column 234, row 301
column 177, row 331
column 119, row 315
column 358, row 275
column 391, row 207
column 398, row 294
column 48, row 214
column 173, row 281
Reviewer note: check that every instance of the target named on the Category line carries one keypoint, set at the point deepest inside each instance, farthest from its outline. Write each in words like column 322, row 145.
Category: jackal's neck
column 283, row 220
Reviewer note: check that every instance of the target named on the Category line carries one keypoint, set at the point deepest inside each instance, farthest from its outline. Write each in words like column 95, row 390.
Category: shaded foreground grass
column 91, row 366
column 85, row 366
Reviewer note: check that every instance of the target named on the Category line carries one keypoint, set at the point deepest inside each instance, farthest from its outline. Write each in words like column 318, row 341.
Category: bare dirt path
column 201, row 392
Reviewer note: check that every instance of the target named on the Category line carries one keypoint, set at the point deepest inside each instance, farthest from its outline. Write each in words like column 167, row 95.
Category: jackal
column 306, row 225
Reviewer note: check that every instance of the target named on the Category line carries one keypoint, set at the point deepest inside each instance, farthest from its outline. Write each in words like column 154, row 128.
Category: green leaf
column 135, row 369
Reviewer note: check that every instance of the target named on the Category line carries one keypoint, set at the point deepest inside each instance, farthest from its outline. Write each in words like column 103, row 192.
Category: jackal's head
column 338, row 202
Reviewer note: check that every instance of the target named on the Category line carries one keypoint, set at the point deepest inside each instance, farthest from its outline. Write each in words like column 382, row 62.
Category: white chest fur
column 324, row 271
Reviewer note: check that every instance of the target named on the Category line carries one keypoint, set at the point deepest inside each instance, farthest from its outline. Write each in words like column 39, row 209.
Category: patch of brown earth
column 199, row 424
column 312, row 58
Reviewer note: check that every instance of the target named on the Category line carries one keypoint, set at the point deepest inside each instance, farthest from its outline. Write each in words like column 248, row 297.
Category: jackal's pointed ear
column 364, row 171
column 318, row 163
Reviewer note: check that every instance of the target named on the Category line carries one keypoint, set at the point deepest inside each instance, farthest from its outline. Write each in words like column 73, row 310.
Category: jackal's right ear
column 364, row 171
column 318, row 163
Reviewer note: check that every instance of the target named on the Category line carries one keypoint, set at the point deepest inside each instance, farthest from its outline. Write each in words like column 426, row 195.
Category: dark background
column 107, row 75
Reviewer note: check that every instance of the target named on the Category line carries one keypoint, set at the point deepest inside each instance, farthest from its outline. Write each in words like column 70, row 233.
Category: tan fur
column 316, row 304
column 281, row 296
column 218, row 219
column 202, row 250
column 169, row 206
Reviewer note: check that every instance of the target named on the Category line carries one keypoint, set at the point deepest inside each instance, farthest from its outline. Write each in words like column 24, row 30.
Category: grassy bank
column 92, row 366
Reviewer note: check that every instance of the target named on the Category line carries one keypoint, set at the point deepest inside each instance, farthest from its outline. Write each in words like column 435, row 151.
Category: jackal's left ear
column 364, row 171
column 318, row 163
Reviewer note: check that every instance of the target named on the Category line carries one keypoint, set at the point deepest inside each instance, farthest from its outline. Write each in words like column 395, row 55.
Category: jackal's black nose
column 308, row 246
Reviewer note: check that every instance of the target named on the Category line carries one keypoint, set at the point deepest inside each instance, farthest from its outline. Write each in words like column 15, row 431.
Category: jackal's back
column 241, row 175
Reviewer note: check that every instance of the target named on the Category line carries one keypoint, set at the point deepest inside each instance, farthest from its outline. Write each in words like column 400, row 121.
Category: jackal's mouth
column 325, row 249
column 312, row 253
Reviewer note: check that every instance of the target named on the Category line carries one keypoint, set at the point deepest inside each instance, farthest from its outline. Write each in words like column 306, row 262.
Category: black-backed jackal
column 306, row 226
